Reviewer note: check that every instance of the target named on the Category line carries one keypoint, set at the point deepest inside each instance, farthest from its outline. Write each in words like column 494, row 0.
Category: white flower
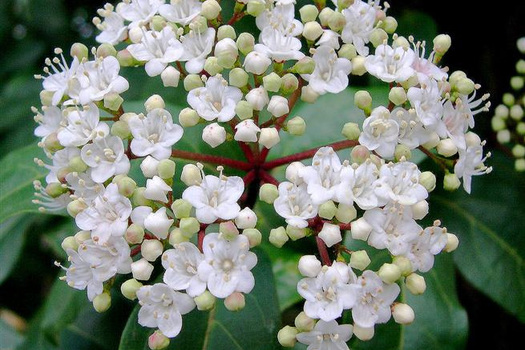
column 392, row 227
column 158, row 223
column 256, row 62
column 106, row 158
column 61, row 159
column 428, row 104
column 82, row 126
column 83, row 186
column 154, row 134
column 326, row 336
column 391, row 64
column 181, row 12
column 100, row 77
column 282, row 18
column 181, row 265
column 49, row 121
column 329, row 293
column 162, row 308
column 216, row 100
column 373, row 300
column 294, row 204
column 157, row 49
column 279, row 46
column 107, row 215
column 380, row 132
column 139, row 214
column 322, row 177
column 61, row 78
column 139, row 12
column 411, row 131
column 330, row 73
column 156, row 189
column 246, row 131
column 215, row 197
column 399, row 182
column 358, row 185
column 430, row 241
column 360, row 18
column 457, row 122
column 196, row 47
column 471, row 163
column 112, row 30
column 93, row 264
column 424, row 67
column 227, row 264
column 329, row 38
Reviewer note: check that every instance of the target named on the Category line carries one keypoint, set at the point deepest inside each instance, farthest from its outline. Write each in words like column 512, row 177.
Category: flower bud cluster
column 508, row 121
column 118, row 172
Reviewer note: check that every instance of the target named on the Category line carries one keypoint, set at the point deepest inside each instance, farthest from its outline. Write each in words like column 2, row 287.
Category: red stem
column 307, row 154
column 267, row 178
column 232, row 163
column 323, row 251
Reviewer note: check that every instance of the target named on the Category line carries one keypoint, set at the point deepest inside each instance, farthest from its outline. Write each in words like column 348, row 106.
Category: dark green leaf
column 12, row 237
column 10, row 337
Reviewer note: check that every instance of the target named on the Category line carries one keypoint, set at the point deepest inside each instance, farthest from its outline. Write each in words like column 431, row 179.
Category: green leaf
column 12, row 237
column 253, row 328
column 489, row 224
column 18, row 171
column 9, row 336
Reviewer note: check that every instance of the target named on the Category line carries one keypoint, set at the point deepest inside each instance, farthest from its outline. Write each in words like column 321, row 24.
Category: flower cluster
column 507, row 121
column 114, row 168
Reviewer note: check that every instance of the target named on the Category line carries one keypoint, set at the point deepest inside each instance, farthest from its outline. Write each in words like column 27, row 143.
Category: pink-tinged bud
column 235, row 301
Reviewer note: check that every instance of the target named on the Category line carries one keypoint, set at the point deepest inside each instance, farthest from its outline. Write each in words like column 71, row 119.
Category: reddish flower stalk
column 323, row 251
column 198, row 157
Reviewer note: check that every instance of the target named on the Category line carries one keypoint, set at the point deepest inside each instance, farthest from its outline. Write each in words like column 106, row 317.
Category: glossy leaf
column 12, row 238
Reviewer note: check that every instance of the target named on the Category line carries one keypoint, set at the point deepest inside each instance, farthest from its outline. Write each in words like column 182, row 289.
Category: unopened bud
column 246, row 219
column 134, row 234
column 177, row 236
column 397, row 95
column 256, row 62
column 403, row 313
column 258, row 98
column 442, row 44
column 254, row 236
column 68, row 243
column 308, row 13
column 290, row 83
column 125, row 58
column 389, row 273
column 363, row 333
column 278, row 236
column 312, row 30
column 189, row 226
column 378, row 36
column 210, row 9
column 238, row 77
column 268, row 193
column 102, row 302
column 80, row 51
column 351, row 131
column 158, row 341
column 228, row 230
column 170, row 77
column 105, row 50
column 153, row 102
column 272, row 82
column 416, row 284
column 402, row 152
column 214, row 135
column 129, row 288
column 358, row 66
column 452, row 242
column 226, row 52
column 403, row 263
column 308, row 94
column 303, row 323
column 235, row 301
column 451, row 182
column 269, row 137
column 192, row 81
column 113, row 101
column 191, row 175
column 359, row 154
column 255, row 8
column 245, row 43
column 363, row 100
column 347, row 51
column 205, row 301
column 76, row 206
column 389, row 24
column 126, row 185
column 324, row 16
column 226, row 31
column 345, row 213
column 151, row 249
column 141, row 269
column 278, row 106
column 360, row 229
column 121, row 129
column 359, row 260
column 305, row 65
column 447, row 148
column 327, row 210
column 287, row 336
column 428, row 180
column 181, row 208
column 295, row 233
column 330, row 234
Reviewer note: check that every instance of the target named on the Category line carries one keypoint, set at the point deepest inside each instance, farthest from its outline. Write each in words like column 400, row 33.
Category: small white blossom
column 294, row 204
column 49, row 121
column 158, row 223
column 358, row 185
column 373, row 300
column 181, row 265
column 360, row 18
column 471, row 163
column 61, row 78
column 391, row 64
column 154, row 134
column 246, row 131
column 330, row 73
column 157, row 189
column 428, row 104
column 112, row 30
column 214, row 134
column 380, row 132
column 215, row 197
column 278, row 46
column 399, row 182
column 107, row 215
column 139, row 12
column 326, row 336
column 106, row 158
column 60, row 161
column 429, row 242
column 258, row 98
column 82, row 126
column 196, row 47
column 424, row 67
column 181, row 12
column 227, row 264
column 216, row 100
column 412, row 133
column 162, row 308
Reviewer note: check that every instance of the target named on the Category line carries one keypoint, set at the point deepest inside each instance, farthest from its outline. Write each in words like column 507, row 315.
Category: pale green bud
column 255, row 8
column 199, row 24
column 359, row 260
column 46, row 97
column 151, row 249
column 76, row 164
column 465, row 86
column 520, row 66
column 121, row 129
column 308, row 13
column 51, row 143
column 102, row 302
column 205, row 301
column 442, row 43
column 403, row 313
column 397, row 95
column 305, row 65
column 170, row 77
column 191, row 175
column 456, row 76
column 389, row 24
column 447, row 148
column 235, row 301
column 325, row 15
column 295, row 233
column 517, row 82
column 153, row 102
column 451, row 182
column 501, row 111
column 126, row 185
column 287, row 336
column 244, row 110
column 245, row 43
column 347, row 51
column 212, row 66
column 303, row 323
column 238, row 77
column 192, row 81
column 402, row 152
column 519, row 164
column 80, row 51
column 158, row 23
column 312, row 30
column 177, row 236
column 125, row 58
column 415, row 284
column 403, row 263
column 105, row 50
column 188, row 117
column 520, row 128
column 82, row 236
column 228, row 230
column 181, row 208
column 518, row 151
column 166, row 169
column 129, row 288
column 269, row 137
column 268, row 193
column 378, row 36
column 362, row 333
column 345, row 213
column 210, row 9
column 351, row 131
column 158, row 341
column 516, row 112
column 189, row 226
column 358, row 66
column 138, row 198
column 363, row 100
column 134, row 234
column 76, row 206
column 503, row 136
column 278, row 236
column 433, row 141
column 226, row 31
column 69, row 242
column 308, row 94
column 296, row 126
column 360, row 229
column 389, row 273
column 289, row 83
column 498, row 123
column 272, row 82
column 226, row 53
column 327, row 210
column 359, row 154
column 254, row 236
